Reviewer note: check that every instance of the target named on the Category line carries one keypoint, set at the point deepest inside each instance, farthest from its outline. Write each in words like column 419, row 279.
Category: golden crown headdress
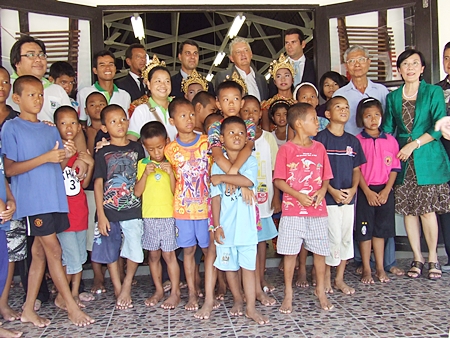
column 238, row 79
column 282, row 62
column 152, row 64
column 195, row 77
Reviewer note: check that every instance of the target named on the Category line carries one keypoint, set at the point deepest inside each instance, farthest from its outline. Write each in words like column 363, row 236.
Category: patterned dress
column 411, row 198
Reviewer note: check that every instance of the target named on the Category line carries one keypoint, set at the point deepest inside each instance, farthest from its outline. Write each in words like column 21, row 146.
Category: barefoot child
column 187, row 154
column 375, row 209
column 118, row 208
column 265, row 153
column 33, row 163
column 73, row 240
column 156, row 185
column 235, row 230
column 346, row 155
column 302, row 173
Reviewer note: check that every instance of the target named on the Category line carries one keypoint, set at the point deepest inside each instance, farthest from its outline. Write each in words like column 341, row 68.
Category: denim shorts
column 74, row 254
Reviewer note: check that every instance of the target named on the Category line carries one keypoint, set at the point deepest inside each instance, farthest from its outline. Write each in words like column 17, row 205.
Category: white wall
column 444, row 29
column 10, row 25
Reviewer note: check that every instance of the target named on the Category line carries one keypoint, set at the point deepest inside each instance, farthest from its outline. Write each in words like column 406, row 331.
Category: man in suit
column 188, row 56
column 294, row 43
column 136, row 58
column 241, row 56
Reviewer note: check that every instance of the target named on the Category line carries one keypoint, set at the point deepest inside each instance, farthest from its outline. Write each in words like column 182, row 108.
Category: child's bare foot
column 167, row 286
column 237, row 309
column 366, row 277
column 257, row 317
column 59, row 302
column 313, row 276
column 192, row 304
column 9, row 314
column 281, row 265
column 154, row 299
column 32, row 317
column 397, row 271
column 200, row 293
column 346, row 290
column 171, row 302
column 10, row 333
column 325, row 303
column 301, row 280
column 86, row 297
column 286, row 306
column 79, row 318
column 327, row 287
column 359, row 270
column 124, row 300
column 266, row 286
column 221, row 291
column 98, row 287
column 264, row 299
column 382, row 276
column 205, row 311
column 79, row 303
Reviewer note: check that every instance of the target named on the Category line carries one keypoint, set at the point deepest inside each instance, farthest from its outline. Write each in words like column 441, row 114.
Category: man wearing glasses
column 28, row 57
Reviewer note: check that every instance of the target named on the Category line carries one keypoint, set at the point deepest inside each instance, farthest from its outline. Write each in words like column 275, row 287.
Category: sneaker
column 446, row 267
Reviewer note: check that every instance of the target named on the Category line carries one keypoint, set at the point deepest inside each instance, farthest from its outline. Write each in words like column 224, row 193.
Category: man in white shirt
column 241, row 56
column 28, row 57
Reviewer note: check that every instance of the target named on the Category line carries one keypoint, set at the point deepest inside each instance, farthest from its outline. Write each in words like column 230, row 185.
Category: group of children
column 215, row 183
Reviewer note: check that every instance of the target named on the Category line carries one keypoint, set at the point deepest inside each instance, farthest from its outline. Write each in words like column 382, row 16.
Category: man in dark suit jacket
column 188, row 56
column 241, row 56
column 294, row 42
column 136, row 58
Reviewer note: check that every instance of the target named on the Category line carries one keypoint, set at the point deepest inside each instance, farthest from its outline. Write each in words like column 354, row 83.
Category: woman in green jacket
column 421, row 187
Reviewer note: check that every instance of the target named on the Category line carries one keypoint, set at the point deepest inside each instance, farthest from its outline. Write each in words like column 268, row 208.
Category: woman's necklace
column 409, row 97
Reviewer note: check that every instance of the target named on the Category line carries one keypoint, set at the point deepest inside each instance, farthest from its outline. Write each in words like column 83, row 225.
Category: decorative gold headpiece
column 152, row 64
column 195, row 77
column 238, row 79
column 282, row 62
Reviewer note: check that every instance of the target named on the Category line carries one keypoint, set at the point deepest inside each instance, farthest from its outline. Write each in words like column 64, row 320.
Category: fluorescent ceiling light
column 236, row 26
column 138, row 27
column 219, row 58
column 209, row 77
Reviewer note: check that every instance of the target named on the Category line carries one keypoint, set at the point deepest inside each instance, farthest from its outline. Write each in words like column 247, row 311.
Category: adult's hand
column 444, row 126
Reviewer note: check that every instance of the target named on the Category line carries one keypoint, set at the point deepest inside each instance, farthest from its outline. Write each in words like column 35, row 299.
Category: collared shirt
column 353, row 96
column 184, row 74
column 445, row 85
column 136, row 79
column 299, row 68
column 250, row 81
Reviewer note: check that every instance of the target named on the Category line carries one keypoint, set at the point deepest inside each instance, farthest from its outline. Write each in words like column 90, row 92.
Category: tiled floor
column 401, row 308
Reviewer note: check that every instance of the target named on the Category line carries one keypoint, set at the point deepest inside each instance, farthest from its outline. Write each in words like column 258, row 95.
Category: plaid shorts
column 310, row 231
column 159, row 233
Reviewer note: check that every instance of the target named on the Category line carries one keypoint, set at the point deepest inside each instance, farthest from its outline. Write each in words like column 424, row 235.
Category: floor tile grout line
column 290, row 316
column 109, row 321
column 229, row 318
column 168, row 323
column 51, row 320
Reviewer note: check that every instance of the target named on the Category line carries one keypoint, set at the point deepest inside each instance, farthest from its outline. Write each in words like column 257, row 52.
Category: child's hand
column 337, row 195
column 318, row 197
column 49, row 123
column 86, row 157
column 406, row 151
column 215, row 180
column 248, row 196
column 103, row 226
column 383, row 196
column 150, row 168
column 56, row 155
column 304, row 199
column 230, row 189
column 101, row 144
column 444, row 126
column 349, row 193
column 373, row 198
column 80, row 168
column 167, row 167
column 70, row 148
column 276, row 205
column 9, row 212
column 219, row 235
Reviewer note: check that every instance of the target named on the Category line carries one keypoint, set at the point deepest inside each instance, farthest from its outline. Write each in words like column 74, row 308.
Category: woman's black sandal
column 434, row 275
column 417, row 271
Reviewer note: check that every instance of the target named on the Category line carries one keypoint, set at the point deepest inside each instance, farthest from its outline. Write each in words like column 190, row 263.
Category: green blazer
column 431, row 162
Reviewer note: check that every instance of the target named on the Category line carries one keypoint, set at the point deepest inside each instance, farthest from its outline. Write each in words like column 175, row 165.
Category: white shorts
column 340, row 233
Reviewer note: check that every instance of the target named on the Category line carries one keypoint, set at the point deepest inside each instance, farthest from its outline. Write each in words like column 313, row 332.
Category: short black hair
column 275, row 106
column 298, row 111
column 295, row 30
column 63, row 109
column 409, row 52
column 100, row 54
column 208, row 119
column 447, row 46
column 231, row 120
column 21, row 81
column 109, row 109
column 155, row 69
column 92, row 94
column 204, row 98
column 362, row 106
column 187, row 42
column 176, row 102
column 6, row 70
column 129, row 50
column 330, row 102
column 60, row 68
column 227, row 84
column 336, row 77
column 14, row 54
column 247, row 98
column 153, row 129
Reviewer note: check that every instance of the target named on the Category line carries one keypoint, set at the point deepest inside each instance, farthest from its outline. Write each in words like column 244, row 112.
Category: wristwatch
column 418, row 143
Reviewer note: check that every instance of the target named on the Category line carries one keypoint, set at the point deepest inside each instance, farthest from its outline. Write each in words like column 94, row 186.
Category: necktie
column 141, row 85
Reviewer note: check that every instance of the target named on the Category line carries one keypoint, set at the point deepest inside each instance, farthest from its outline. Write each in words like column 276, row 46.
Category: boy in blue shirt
column 235, row 230
column 33, row 161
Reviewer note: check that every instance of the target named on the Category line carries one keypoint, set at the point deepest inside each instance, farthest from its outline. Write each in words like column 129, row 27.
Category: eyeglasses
column 33, row 56
column 414, row 64
column 359, row 60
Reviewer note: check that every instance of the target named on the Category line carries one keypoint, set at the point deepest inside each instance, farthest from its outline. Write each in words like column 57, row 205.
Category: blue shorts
column 106, row 248
column 4, row 263
column 74, row 254
column 231, row 258
column 192, row 232
column 268, row 230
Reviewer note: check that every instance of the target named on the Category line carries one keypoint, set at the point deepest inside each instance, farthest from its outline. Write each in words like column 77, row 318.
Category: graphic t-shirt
column 78, row 207
column 265, row 152
column 157, row 198
column 304, row 169
column 117, row 166
column 214, row 133
column 191, row 165
column 345, row 154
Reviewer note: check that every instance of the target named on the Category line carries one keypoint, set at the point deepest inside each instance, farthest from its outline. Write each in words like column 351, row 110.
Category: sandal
column 437, row 273
column 416, row 269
